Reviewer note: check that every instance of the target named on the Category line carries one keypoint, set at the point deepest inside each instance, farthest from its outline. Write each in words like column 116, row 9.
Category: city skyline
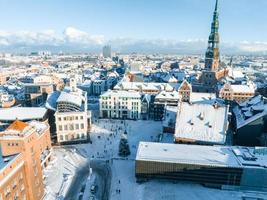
column 167, row 27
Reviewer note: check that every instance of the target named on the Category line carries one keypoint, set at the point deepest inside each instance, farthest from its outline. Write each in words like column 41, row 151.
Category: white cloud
column 4, row 42
column 29, row 38
column 77, row 39
column 253, row 47
column 74, row 35
column 50, row 37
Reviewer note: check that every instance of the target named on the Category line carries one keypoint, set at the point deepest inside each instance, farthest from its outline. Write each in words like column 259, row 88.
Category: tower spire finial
column 216, row 5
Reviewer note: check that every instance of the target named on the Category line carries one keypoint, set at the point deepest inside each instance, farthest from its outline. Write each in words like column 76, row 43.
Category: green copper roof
column 212, row 53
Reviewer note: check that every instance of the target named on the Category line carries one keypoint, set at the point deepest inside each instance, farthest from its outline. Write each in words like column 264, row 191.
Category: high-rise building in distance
column 107, row 51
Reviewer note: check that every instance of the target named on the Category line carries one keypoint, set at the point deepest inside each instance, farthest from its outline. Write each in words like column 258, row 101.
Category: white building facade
column 71, row 117
column 71, row 126
column 120, row 105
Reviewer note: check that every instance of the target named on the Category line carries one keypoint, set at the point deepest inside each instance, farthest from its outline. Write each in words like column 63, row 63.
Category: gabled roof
column 202, row 122
column 185, row 86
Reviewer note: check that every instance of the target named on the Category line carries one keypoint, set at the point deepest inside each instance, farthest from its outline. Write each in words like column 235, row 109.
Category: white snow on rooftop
column 39, row 126
column 250, row 110
column 31, row 127
column 198, row 96
column 131, row 94
column 51, row 102
column 191, row 154
column 168, row 95
column 242, row 89
column 143, row 86
column 71, row 98
column 221, row 156
column 202, row 122
column 22, row 113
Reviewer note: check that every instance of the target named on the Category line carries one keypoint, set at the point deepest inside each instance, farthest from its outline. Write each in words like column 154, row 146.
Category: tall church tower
column 210, row 75
column 212, row 58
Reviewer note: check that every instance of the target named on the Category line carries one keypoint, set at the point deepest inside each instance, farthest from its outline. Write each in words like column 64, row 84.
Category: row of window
column 119, row 107
column 69, row 118
column 12, row 144
column 119, row 102
column 122, row 98
column 72, row 137
column 71, row 127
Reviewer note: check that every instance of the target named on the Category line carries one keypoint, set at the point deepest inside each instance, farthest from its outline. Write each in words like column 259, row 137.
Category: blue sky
column 35, row 21
column 170, row 19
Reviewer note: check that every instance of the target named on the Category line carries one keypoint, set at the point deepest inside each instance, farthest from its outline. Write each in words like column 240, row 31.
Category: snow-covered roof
column 205, row 98
column 123, row 85
column 112, row 93
column 220, row 156
column 70, row 98
column 242, row 89
column 19, row 129
column 22, row 113
column 51, row 102
column 168, row 95
column 169, row 78
column 199, row 122
column 250, row 110
column 236, row 74
column 39, row 126
column 126, row 86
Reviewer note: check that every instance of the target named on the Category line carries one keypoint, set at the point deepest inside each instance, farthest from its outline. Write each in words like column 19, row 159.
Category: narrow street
column 78, row 181
column 102, row 169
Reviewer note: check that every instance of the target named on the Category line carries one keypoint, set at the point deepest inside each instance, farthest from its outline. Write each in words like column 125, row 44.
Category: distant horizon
column 151, row 26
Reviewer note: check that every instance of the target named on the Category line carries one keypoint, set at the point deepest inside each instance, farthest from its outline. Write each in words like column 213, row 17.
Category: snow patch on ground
column 60, row 171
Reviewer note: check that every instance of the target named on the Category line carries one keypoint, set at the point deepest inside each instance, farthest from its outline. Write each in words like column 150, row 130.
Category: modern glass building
column 215, row 166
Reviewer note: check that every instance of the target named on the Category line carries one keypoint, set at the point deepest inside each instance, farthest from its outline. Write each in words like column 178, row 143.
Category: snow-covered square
column 76, row 168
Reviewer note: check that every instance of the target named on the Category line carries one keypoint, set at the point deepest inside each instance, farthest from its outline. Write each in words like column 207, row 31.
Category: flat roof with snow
column 121, row 93
column 221, row 156
column 143, row 86
column 22, row 113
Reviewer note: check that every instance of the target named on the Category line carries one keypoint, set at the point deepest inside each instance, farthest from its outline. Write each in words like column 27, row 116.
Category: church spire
column 212, row 53
column 216, row 6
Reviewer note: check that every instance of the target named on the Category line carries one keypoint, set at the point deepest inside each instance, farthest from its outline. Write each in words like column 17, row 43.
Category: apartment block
column 25, row 151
